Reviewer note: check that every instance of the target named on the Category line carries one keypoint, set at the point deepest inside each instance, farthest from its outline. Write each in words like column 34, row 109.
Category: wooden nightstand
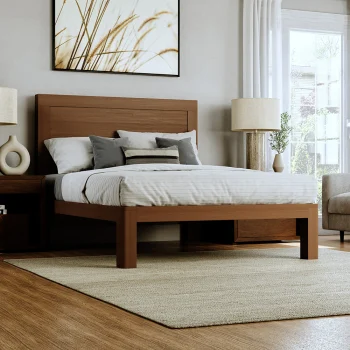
column 23, row 228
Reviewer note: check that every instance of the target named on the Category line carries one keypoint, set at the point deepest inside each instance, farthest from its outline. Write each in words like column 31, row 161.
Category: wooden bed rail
column 127, row 218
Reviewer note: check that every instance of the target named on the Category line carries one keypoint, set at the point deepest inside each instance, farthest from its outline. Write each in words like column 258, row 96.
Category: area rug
column 211, row 288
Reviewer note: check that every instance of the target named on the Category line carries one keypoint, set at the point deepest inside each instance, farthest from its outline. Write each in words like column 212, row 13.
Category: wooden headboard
column 74, row 116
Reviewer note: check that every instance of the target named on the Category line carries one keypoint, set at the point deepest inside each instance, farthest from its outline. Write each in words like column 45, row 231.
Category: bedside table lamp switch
column 8, row 116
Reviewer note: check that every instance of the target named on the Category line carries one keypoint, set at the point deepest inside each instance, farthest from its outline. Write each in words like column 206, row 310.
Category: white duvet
column 171, row 185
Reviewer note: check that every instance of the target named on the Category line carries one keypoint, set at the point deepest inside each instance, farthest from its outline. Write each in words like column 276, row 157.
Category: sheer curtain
column 262, row 53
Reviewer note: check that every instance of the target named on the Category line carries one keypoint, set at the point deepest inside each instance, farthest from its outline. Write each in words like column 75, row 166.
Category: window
column 314, row 55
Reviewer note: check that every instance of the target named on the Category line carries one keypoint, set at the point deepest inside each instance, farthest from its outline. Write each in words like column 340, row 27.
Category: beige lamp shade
column 256, row 114
column 8, row 106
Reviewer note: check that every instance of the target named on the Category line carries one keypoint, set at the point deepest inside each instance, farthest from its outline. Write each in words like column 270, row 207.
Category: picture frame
column 116, row 36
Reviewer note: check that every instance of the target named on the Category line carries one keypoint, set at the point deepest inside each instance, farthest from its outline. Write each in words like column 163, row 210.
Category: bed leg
column 127, row 239
column 308, row 229
column 184, row 235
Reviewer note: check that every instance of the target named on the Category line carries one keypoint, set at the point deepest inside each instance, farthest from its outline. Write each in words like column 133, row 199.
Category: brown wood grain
column 67, row 122
column 43, row 213
column 223, row 212
column 309, row 235
column 127, row 239
column 79, row 116
column 24, row 227
column 189, row 213
column 128, row 217
column 265, row 230
column 21, row 184
column 91, row 211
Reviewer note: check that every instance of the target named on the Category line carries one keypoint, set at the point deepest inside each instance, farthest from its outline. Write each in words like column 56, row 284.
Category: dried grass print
column 122, row 46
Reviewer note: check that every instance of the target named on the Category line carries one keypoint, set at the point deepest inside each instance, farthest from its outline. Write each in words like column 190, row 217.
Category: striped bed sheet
column 175, row 185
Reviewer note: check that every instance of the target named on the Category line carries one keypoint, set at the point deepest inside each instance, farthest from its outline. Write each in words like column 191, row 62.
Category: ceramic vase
column 278, row 165
column 12, row 145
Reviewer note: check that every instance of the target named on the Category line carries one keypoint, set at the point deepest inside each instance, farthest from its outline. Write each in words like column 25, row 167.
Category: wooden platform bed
column 74, row 116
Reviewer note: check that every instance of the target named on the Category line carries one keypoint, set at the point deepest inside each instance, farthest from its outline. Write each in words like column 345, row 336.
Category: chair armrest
column 332, row 185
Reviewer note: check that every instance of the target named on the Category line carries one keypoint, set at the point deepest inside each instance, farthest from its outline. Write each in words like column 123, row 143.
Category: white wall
column 210, row 67
column 329, row 6
column 210, row 32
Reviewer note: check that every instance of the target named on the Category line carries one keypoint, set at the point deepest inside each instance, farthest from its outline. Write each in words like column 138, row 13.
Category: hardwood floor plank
column 10, row 342
column 48, row 315
column 38, row 314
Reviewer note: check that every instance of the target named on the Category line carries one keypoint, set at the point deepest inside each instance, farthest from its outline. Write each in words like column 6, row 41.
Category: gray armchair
column 336, row 203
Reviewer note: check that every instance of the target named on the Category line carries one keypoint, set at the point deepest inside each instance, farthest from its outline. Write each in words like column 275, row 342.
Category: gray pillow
column 186, row 151
column 108, row 152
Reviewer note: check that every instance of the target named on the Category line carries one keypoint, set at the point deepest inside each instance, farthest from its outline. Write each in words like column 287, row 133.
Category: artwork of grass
column 120, row 36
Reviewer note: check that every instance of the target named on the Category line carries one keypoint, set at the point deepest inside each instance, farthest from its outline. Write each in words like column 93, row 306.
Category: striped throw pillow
column 168, row 155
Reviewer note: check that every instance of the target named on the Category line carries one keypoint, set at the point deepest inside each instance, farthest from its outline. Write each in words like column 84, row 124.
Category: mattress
column 53, row 185
column 174, row 185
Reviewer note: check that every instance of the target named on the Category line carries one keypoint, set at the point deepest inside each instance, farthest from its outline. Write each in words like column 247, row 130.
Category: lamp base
column 256, row 151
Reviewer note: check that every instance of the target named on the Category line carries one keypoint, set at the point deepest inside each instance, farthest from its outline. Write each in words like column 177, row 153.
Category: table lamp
column 256, row 116
column 8, row 116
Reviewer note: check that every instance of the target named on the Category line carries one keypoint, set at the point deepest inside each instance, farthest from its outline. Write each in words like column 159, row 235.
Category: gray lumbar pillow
column 186, row 151
column 108, row 152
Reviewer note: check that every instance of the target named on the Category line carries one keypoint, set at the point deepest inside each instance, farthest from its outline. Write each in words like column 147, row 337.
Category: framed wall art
column 117, row 36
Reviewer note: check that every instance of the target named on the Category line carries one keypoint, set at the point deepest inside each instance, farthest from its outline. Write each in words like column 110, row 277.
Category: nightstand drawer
column 20, row 186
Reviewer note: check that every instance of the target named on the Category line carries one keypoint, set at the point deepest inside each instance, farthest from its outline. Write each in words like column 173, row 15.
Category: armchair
column 336, row 203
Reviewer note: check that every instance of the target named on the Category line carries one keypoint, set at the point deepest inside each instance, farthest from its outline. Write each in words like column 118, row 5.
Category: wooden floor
column 38, row 314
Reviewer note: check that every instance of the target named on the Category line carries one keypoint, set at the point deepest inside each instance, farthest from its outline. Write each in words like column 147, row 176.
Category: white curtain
column 262, row 52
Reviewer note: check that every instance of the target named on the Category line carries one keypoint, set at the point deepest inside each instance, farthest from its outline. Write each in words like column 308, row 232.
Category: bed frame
column 67, row 116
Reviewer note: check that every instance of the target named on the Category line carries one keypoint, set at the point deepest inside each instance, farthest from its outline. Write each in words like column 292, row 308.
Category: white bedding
column 171, row 185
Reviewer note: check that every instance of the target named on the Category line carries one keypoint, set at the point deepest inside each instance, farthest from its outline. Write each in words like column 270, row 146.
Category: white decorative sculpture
column 8, row 116
column 12, row 145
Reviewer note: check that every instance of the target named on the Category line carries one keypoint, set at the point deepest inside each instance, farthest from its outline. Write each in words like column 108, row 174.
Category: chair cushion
column 340, row 204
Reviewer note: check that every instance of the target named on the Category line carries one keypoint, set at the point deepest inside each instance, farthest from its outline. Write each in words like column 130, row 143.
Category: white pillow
column 148, row 139
column 71, row 154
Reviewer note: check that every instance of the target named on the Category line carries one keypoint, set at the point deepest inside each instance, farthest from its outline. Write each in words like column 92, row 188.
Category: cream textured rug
column 211, row 288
